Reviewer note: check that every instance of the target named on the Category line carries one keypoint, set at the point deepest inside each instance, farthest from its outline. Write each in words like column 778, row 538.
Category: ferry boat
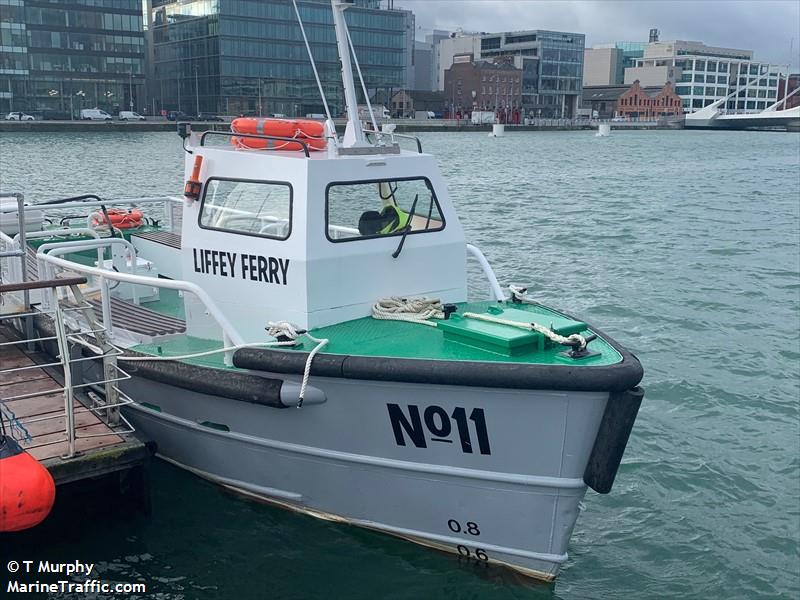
column 296, row 327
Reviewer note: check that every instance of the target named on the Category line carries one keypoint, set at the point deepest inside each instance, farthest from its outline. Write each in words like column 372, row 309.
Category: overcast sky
column 768, row 27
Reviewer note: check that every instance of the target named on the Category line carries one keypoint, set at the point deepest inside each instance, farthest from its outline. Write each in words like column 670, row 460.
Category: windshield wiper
column 397, row 252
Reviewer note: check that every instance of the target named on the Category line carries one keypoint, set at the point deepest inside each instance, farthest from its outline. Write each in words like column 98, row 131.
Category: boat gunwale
column 617, row 377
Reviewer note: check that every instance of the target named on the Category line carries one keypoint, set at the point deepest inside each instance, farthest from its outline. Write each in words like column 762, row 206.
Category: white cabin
column 275, row 236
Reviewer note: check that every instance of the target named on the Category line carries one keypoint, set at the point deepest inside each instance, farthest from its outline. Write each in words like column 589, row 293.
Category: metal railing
column 107, row 407
column 494, row 285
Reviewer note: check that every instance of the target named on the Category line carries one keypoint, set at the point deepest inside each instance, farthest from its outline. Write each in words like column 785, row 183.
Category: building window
column 262, row 208
column 699, row 78
column 374, row 209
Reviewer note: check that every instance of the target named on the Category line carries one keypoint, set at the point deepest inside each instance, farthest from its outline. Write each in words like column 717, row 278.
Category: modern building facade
column 600, row 66
column 59, row 57
column 551, row 63
column 425, row 60
column 704, row 74
column 484, row 85
column 248, row 56
column 605, row 64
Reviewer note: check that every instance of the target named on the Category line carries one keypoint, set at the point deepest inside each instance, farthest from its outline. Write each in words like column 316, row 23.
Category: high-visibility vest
column 400, row 219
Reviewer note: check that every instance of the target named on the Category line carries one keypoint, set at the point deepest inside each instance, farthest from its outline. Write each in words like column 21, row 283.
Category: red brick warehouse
column 638, row 102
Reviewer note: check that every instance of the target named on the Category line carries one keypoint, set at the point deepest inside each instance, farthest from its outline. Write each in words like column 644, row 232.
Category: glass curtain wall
column 57, row 58
column 248, row 57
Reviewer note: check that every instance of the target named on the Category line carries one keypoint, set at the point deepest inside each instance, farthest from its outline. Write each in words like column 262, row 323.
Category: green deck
column 370, row 337
column 456, row 339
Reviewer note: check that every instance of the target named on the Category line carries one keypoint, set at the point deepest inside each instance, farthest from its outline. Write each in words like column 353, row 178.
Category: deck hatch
column 505, row 339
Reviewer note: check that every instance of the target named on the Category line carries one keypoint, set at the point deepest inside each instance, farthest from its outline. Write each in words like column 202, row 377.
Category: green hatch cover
column 505, row 339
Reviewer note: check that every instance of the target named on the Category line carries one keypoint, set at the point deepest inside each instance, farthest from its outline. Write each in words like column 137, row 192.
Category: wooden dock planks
column 44, row 421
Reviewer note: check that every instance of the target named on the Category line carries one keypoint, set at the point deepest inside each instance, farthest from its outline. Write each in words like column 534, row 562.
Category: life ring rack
column 278, row 134
column 120, row 218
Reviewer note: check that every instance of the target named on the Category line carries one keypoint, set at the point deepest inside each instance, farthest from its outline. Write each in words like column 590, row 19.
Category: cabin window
column 262, row 208
column 373, row 209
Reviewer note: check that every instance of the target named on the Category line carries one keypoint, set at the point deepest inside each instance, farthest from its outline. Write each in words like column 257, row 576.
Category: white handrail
column 230, row 335
column 494, row 286
column 96, row 204
column 59, row 248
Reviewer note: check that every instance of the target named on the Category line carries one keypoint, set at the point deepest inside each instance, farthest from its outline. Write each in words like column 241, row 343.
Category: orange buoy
column 27, row 490
column 311, row 133
column 121, row 219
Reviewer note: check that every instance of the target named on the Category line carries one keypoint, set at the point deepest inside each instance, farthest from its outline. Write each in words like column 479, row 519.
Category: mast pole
column 353, row 134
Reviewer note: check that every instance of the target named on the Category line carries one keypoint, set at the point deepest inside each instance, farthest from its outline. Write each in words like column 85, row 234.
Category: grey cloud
column 765, row 26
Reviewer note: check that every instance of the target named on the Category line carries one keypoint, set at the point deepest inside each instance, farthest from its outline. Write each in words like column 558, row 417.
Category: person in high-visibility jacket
column 391, row 219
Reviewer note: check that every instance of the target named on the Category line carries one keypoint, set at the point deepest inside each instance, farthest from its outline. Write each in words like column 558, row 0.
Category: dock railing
column 49, row 265
column 105, row 405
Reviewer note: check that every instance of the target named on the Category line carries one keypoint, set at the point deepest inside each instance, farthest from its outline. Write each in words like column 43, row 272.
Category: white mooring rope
column 411, row 310
column 520, row 294
column 275, row 329
column 286, row 329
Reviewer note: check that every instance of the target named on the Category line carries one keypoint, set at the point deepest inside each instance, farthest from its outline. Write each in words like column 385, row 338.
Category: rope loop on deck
column 411, row 310
column 520, row 294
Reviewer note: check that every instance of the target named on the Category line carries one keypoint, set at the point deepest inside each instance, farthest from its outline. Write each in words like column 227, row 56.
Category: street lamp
column 79, row 93
column 196, row 91
column 130, row 88
column 260, row 106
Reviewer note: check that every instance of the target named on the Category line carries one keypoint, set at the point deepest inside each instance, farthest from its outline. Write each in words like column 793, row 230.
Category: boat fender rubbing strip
column 214, row 382
column 612, row 437
column 244, row 387
column 617, row 377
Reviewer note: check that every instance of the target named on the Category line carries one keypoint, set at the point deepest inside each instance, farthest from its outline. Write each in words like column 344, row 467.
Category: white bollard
column 498, row 130
column 603, row 130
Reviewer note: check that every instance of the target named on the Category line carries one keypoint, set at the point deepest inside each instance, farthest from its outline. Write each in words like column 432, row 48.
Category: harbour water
column 682, row 245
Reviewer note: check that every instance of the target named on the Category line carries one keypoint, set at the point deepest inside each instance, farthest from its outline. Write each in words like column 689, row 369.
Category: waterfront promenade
column 403, row 125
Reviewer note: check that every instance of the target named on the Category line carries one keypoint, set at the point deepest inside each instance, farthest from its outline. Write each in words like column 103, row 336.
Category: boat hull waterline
column 493, row 475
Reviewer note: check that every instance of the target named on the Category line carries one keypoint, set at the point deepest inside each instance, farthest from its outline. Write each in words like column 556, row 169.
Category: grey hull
column 493, row 474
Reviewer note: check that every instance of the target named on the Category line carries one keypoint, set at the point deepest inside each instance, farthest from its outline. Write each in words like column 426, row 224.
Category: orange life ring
column 312, row 133
column 120, row 219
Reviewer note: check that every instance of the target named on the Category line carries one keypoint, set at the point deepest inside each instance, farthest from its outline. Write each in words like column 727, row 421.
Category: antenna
column 329, row 123
column 353, row 133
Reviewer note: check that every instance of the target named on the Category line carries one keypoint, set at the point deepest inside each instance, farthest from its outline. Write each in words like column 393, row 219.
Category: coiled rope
column 411, row 310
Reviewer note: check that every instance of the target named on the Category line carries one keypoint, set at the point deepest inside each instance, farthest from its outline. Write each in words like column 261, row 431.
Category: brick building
column 633, row 101
column 649, row 103
column 483, row 85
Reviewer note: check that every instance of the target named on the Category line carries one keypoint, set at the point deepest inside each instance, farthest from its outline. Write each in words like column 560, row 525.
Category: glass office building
column 705, row 74
column 551, row 63
column 248, row 56
column 58, row 57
